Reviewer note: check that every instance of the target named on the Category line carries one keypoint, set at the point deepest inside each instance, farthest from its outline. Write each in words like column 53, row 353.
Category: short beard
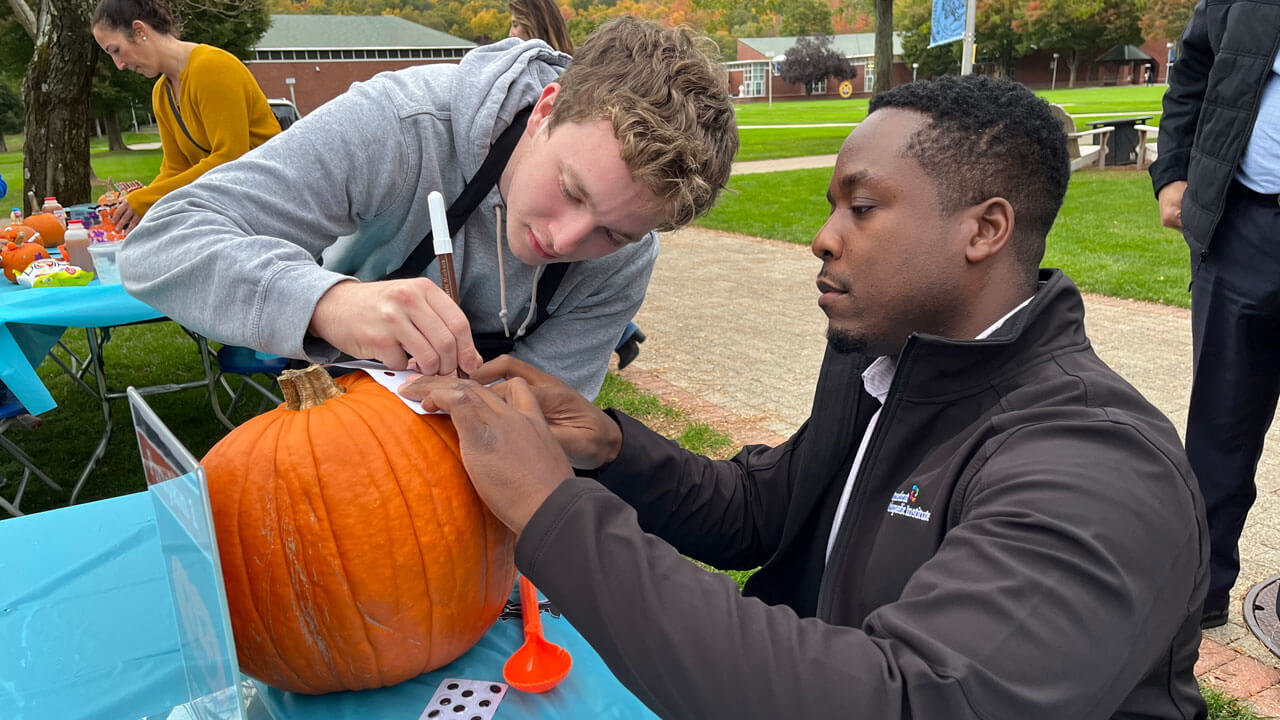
column 845, row 342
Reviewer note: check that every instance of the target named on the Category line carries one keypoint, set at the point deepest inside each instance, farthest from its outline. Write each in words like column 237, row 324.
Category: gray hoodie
column 234, row 254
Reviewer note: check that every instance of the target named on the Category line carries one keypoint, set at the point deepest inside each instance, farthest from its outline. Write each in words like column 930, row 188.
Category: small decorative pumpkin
column 15, row 257
column 50, row 228
column 18, row 232
column 355, row 551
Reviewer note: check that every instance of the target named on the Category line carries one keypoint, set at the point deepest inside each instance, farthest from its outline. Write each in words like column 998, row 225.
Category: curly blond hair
column 668, row 102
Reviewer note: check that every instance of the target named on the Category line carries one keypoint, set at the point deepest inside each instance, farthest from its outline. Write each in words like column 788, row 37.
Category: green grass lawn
column 770, row 143
column 767, row 143
column 802, row 112
column 1077, row 101
column 1107, row 237
column 1107, row 99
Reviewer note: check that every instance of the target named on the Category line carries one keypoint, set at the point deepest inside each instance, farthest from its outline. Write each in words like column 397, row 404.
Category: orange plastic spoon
column 538, row 665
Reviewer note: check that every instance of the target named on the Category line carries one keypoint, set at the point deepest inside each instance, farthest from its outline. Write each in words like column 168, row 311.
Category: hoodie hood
column 492, row 84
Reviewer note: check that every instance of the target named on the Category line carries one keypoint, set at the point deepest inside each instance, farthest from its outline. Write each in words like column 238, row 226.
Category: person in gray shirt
column 285, row 250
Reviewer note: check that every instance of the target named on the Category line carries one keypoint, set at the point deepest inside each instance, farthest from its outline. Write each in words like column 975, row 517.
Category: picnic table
column 1123, row 145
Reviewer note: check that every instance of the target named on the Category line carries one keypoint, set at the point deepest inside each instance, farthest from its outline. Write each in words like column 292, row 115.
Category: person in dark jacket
column 1217, row 180
column 979, row 519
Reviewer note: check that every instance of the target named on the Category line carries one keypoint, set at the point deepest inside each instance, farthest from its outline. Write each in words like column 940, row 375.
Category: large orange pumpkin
column 355, row 551
column 51, row 230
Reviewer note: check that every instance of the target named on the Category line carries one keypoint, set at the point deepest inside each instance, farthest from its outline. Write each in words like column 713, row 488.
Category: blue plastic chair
column 244, row 363
column 10, row 412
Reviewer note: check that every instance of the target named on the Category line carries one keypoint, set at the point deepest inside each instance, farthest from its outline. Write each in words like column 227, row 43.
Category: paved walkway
column 849, row 125
column 795, row 163
column 735, row 334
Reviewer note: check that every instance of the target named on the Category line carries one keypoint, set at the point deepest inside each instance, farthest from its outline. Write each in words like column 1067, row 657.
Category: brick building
column 310, row 59
column 1037, row 69
column 750, row 78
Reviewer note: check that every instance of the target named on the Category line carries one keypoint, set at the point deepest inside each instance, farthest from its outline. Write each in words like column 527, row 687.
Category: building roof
column 342, row 32
column 850, row 45
column 1124, row 53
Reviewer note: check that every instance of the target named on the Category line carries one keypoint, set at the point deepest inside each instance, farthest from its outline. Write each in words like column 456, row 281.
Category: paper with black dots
column 459, row 699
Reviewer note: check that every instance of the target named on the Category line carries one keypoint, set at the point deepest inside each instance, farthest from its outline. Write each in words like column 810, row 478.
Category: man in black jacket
column 978, row 520
column 1218, row 179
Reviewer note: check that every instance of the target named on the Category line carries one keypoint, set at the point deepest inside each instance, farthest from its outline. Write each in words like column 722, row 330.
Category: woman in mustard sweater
column 208, row 106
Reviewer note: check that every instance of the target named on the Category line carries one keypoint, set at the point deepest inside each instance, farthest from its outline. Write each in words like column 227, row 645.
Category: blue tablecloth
column 32, row 321
column 87, row 630
column 83, row 621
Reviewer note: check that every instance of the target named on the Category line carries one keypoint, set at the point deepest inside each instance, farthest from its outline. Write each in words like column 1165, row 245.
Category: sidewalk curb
column 1238, row 675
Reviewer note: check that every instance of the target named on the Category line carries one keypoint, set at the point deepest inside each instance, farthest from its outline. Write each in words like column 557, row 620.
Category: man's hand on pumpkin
column 397, row 322
column 507, row 448
column 588, row 436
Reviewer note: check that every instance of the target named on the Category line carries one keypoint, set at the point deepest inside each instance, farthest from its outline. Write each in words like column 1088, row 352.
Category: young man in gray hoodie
column 290, row 244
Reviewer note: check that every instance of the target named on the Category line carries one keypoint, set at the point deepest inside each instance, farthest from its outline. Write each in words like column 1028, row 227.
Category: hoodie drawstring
column 502, row 282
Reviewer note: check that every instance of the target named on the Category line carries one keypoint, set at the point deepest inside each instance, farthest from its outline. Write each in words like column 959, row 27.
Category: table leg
column 28, row 469
column 99, row 372
column 74, row 367
column 96, row 362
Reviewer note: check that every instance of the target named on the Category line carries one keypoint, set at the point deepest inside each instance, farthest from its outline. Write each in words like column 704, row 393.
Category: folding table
column 33, row 320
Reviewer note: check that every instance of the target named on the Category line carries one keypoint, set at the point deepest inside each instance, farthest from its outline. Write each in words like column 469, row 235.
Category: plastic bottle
column 54, row 208
column 76, row 242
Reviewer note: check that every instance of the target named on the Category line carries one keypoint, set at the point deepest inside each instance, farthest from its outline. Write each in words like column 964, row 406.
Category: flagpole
column 966, row 59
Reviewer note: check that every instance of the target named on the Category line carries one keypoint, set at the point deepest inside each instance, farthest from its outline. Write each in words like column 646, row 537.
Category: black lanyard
column 168, row 92
column 490, row 345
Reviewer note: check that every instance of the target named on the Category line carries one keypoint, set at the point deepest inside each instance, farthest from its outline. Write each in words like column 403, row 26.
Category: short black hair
column 989, row 138
column 120, row 14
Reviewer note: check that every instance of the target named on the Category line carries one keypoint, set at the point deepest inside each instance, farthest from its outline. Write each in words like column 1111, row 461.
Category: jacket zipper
column 844, row 538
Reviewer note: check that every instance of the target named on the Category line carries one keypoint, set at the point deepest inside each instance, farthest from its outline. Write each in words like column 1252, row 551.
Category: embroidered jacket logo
column 903, row 503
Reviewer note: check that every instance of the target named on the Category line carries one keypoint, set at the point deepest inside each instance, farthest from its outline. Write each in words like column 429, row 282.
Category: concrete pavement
column 795, row 163
column 735, row 335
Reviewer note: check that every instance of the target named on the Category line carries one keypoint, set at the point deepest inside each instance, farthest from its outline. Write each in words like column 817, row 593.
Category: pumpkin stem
column 308, row 388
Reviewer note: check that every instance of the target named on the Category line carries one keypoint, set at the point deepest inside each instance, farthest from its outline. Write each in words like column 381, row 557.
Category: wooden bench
column 1083, row 155
column 1146, row 153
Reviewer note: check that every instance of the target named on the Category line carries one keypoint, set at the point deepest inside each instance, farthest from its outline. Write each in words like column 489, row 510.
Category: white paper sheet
column 389, row 379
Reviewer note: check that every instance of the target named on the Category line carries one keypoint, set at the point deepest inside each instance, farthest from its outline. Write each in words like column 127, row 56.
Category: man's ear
column 541, row 114
column 994, row 219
